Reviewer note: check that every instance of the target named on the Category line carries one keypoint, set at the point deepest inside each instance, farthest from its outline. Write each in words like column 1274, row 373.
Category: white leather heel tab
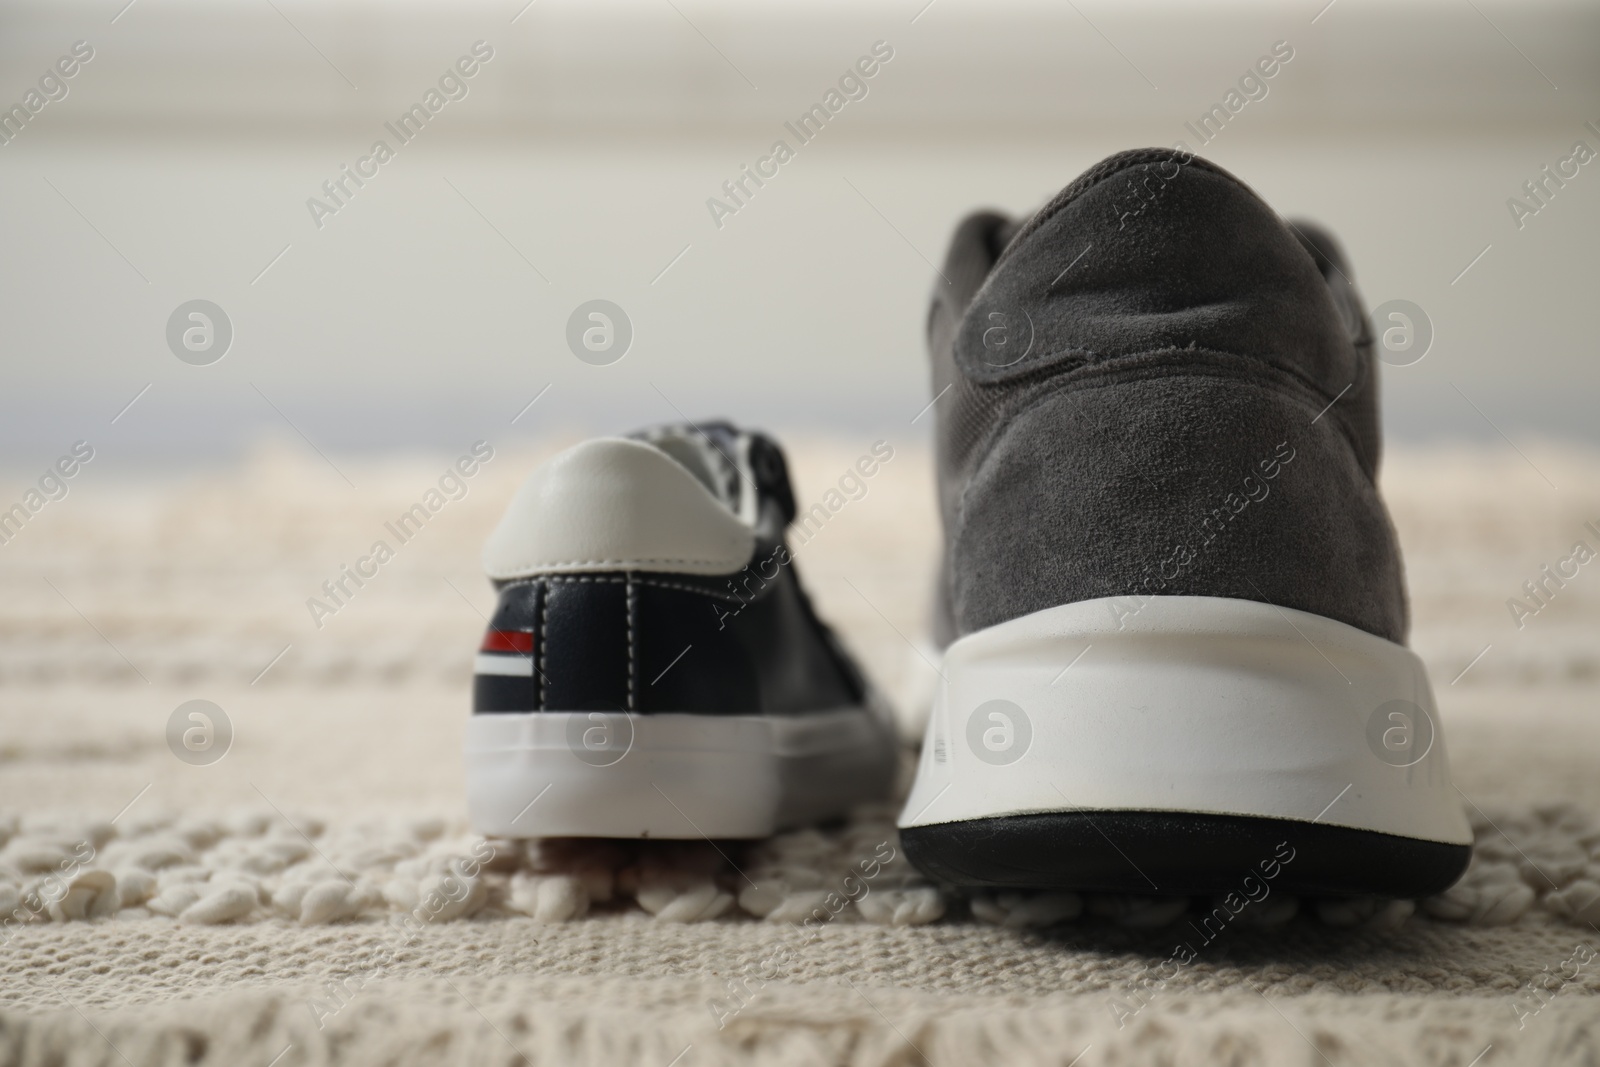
column 615, row 504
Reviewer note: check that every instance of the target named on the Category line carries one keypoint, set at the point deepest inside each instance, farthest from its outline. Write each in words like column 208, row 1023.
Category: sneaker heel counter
column 615, row 504
column 1176, row 485
column 617, row 642
column 560, row 643
column 586, row 552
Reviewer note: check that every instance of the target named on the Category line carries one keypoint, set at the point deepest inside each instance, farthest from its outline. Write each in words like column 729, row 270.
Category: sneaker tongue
column 1149, row 250
column 743, row 470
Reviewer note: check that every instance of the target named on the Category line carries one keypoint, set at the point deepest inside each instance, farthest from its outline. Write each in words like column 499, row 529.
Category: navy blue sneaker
column 653, row 667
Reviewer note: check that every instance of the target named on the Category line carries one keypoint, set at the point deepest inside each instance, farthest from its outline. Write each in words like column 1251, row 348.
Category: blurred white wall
column 432, row 307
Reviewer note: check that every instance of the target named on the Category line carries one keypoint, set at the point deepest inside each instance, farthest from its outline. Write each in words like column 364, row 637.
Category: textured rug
column 303, row 889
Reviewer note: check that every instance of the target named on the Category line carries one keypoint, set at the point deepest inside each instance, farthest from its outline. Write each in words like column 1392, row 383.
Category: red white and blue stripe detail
column 505, row 652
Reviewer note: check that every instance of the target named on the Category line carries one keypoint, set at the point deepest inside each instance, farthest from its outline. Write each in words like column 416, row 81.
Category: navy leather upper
column 639, row 641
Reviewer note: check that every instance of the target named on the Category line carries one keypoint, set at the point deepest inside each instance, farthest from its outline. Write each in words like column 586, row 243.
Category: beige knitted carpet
column 314, row 895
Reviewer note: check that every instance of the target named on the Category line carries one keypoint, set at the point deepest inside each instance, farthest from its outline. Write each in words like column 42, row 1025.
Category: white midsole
column 590, row 774
column 1187, row 704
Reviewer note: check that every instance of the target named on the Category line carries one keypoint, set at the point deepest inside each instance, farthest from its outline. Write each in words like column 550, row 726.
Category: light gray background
column 591, row 141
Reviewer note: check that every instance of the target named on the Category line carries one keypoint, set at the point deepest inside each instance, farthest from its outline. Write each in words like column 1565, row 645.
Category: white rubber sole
column 1187, row 704
column 675, row 776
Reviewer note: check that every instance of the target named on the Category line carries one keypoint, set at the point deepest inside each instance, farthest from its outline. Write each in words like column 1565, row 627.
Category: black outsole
column 1154, row 853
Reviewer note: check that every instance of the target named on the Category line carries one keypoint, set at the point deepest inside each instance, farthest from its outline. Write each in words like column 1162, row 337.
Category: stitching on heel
column 628, row 587
column 544, row 643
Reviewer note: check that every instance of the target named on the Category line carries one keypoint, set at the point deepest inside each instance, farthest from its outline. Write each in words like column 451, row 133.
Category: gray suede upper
column 1157, row 387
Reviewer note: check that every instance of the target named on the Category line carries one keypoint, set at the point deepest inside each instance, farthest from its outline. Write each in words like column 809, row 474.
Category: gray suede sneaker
column 1173, row 598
